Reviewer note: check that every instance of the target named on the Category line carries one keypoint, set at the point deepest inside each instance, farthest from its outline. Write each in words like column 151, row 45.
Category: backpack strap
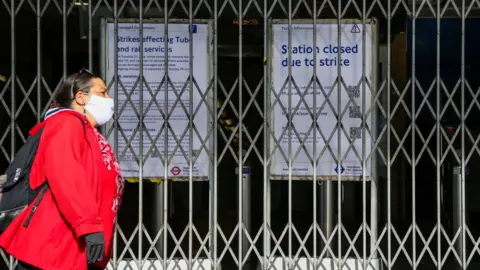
column 44, row 187
column 35, row 204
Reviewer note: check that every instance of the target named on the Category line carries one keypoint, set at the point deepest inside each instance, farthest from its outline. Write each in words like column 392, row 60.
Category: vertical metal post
column 438, row 141
column 245, row 212
column 39, row 60
column 363, row 132
column 339, row 135
column 240, row 134
column 164, row 187
column 158, row 208
column 374, row 173
column 327, row 209
column 373, row 211
column 462, row 126
column 290, row 135
column 214, row 145
column 413, row 139
column 90, row 45
column 116, row 112
column 315, row 121
column 191, row 134
column 389, row 140
column 64, row 37
column 458, row 210
column 13, row 80
column 140, row 140
column 266, row 141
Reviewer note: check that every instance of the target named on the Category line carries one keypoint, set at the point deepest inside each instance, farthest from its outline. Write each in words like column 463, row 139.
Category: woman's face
column 83, row 101
column 98, row 88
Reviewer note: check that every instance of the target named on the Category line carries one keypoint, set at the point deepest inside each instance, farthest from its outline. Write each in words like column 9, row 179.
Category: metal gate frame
column 368, row 261
column 159, row 242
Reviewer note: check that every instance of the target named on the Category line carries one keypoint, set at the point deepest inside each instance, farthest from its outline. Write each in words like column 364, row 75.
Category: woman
column 73, row 226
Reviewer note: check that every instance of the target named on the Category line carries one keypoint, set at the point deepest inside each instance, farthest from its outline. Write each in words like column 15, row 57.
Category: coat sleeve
column 66, row 175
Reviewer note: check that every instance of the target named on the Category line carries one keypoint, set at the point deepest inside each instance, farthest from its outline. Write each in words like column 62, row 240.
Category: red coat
column 84, row 193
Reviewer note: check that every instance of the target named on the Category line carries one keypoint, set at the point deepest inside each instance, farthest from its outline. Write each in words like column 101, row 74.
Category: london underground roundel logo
column 175, row 170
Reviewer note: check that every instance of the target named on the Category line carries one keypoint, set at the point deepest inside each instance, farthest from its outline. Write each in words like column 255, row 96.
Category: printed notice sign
column 181, row 97
column 301, row 98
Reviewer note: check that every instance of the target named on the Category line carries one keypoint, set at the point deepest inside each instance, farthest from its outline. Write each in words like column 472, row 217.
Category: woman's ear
column 81, row 98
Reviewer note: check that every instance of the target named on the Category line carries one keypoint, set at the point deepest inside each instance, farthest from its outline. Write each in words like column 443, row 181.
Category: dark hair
column 80, row 81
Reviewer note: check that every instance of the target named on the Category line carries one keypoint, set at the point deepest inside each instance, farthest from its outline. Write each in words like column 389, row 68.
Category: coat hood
column 50, row 112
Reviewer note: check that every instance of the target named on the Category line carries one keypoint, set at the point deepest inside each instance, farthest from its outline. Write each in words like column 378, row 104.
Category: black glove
column 95, row 246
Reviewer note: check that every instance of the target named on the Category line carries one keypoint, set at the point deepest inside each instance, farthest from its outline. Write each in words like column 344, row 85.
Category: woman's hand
column 95, row 246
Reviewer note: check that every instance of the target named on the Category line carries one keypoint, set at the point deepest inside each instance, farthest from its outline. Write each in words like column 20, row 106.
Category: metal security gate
column 269, row 134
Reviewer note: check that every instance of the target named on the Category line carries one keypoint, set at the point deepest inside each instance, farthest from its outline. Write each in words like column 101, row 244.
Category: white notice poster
column 327, row 62
column 180, row 98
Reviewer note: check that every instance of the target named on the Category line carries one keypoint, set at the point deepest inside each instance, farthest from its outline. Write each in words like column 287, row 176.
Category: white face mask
column 100, row 108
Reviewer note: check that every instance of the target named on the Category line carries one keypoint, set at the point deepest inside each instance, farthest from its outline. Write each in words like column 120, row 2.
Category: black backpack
column 16, row 194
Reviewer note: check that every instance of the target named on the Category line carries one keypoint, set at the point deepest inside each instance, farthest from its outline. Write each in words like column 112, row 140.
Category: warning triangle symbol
column 355, row 29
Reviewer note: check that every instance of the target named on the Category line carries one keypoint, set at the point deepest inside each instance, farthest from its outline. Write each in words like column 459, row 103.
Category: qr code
column 353, row 91
column 354, row 112
column 355, row 133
